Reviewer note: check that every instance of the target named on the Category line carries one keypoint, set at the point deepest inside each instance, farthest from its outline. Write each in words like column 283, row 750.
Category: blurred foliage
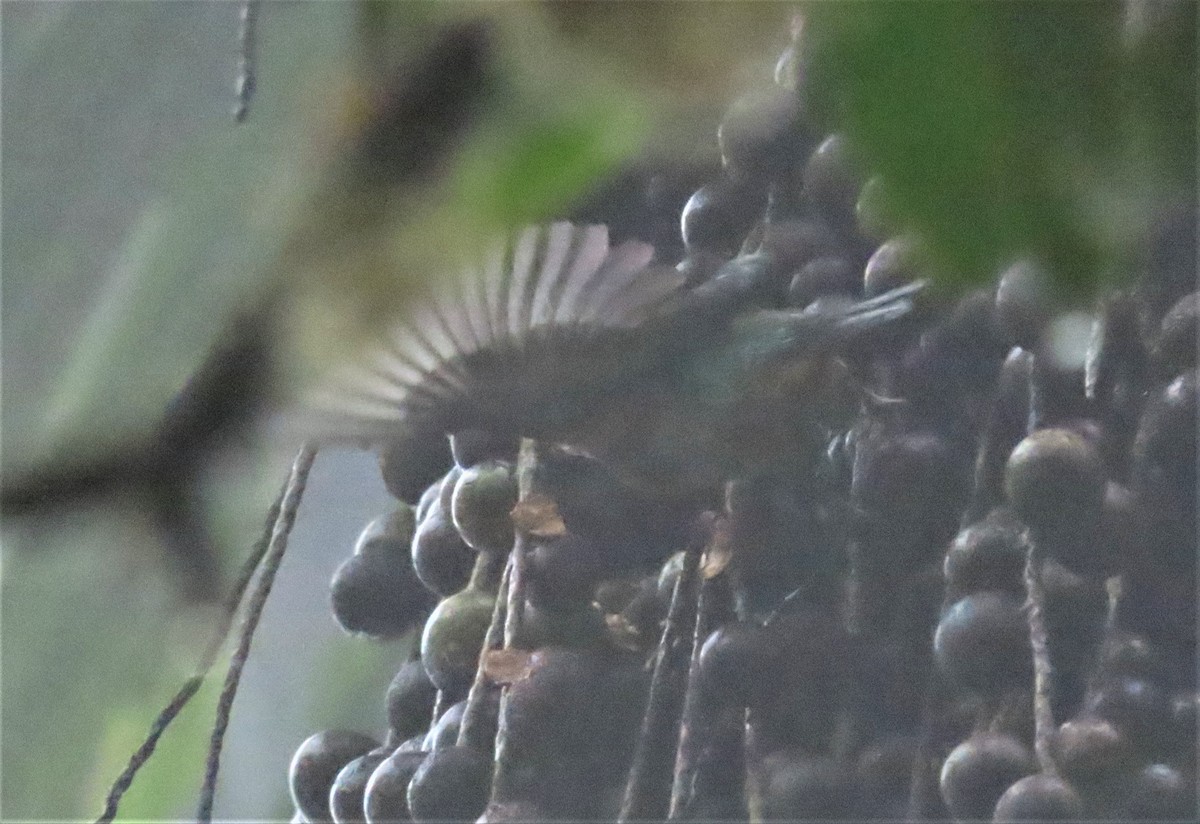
column 1003, row 129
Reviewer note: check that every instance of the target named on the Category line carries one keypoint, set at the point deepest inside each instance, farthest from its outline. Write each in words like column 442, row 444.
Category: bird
column 563, row 337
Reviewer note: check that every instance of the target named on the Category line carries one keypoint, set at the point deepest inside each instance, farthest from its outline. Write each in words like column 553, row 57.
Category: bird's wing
column 541, row 297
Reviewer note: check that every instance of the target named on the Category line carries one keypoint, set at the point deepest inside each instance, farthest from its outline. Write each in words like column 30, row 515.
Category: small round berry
column 1056, row 483
column 452, row 784
column 806, row 788
column 376, row 592
column 1175, row 347
column 386, row 797
column 350, row 785
column 1039, row 798
column 978, row 771
column 410, row 468
column 982, row 643
column 1160, row 792
column 1138, row 708
column 762, row 133
column 734, row 662
column 395, row 530
column 480, row 506
column 410, row 699
column 474, row 446
column 988, row 555
column 440, row 558
column 317, row 763
column 874, row 213
column 896, row 263
column 1023, row 305
column 1092, row 754
column 823, row 276
column 453, row 636
column 831, row 180
column 719, row 215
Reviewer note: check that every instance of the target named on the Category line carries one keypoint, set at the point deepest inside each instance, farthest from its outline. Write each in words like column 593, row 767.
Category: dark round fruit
column 874, row 214
column 978, row 771
column 988, row 555
column 453, row 637
column 317, row 763
column 982, row 643
column 409, row 469
column 410, row 699
column 1138, row 708
column 386, row 795
column 394, row 530
column 445, row 732
column 451, row 784
column 806, row 788
column 1056, row 482
column 823, row 276
column 513, row 812
column 734, row 662
column 896, row 263
column 884, row 773
column 563, row 573
column 483, row 499
column 1092, row 754
column 1023, row 305
column 1175, row 347
column 1164, row 450
column 789, row 244
column 831, row 181
column 474, row 446
column 440, row 558
column 762, row 133
column 1161, row 792
column 376, row 592
column 346, row 794
column 1039, row 798
column 717, row 218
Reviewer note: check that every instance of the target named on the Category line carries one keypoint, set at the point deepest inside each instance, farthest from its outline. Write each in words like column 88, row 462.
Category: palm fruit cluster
column 978, row 603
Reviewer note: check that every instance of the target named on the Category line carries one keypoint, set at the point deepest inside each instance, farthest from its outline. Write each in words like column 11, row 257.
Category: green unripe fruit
column 453, row 636
column 483, row 499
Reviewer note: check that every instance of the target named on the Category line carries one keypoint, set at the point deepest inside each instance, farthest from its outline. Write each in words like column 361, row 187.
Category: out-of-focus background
column 137, row 218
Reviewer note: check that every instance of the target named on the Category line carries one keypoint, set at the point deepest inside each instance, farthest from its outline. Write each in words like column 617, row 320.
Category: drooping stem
column 192, row 685
column 271, row 562
column 246, row 81
column 513, row 612
column 647, row 789
column 471, row 732
column 1043, row 671
column 685, row 767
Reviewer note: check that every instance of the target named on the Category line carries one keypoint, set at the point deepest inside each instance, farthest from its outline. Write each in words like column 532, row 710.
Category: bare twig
column 1043, row 671
column 271, row 562
column 247, row 68
column 647, row 789
column 192, row 685
column 470, row 732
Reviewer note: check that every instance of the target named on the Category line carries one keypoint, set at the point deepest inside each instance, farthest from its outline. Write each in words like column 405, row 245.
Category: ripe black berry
column 763, row 133
column 988, row 555
column 386, row 796
column 719, row 215
column 409, row 470
column 982, row 643
column 346, row 794
column 410, row 699
column 978, row 771
column 440, row 558
column 317, row 763
column 451, row 784
column 1038, row 798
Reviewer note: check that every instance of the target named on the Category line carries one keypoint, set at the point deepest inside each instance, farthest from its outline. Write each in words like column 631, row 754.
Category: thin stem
column 1043, row 670
column 645, row 798
column 469, row 732
column 685, row 768
column 192, row 685
column 514, row 607
column 247, row 68
column 271, row 562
